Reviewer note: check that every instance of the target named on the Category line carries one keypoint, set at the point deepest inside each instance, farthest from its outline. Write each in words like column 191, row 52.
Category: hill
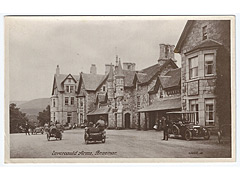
column 34, row 106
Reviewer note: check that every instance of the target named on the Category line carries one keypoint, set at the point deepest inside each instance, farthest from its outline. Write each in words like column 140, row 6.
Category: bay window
column 193, row 67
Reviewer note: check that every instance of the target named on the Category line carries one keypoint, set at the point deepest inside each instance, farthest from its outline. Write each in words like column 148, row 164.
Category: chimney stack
column 93, row 69
column 166, row 53
column 57, row 70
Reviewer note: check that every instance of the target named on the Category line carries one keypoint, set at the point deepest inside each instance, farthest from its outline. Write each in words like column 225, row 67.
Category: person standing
column 165, row 128
column 27, row 129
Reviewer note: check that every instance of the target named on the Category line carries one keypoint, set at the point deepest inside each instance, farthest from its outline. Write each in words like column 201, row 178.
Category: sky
column 36, row 45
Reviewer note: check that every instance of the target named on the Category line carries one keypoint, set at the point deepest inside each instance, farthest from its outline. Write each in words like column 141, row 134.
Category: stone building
column 122, row 93
column 204, row 46
column 63, row 100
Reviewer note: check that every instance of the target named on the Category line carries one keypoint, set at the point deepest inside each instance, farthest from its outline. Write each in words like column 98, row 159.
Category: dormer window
column 104, row 88
column 204, row 32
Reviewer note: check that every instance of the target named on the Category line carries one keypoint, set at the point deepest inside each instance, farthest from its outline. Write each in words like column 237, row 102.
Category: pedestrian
column 165, row 125
column 27, row 129
column 100, row 124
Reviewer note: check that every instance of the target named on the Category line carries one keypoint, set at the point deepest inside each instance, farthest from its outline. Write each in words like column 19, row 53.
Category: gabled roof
column 171, row 79
column 183, row 36
column 59, row 79
column 147, row 74
column 205, row 44
column 92, row 81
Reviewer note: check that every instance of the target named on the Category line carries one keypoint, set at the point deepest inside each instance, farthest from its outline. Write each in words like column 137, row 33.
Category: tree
column 17, row 118
column 44, row 117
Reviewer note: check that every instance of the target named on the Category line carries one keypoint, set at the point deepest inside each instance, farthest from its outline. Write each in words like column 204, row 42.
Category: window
column 69, row 80
column 138, row 101
column 81, row 103
column 193, row 67
column 69, row 117
column 104, row 88
column 66, row 100
column 204, row 32
column 71, row 89
column 54, row 117
column 208, row 58
column 194, row 107
column 54, row 103
column 209, row 112
column 72, row 100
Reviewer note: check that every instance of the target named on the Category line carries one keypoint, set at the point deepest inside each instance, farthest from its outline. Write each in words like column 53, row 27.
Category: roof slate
column 205, row 44
column 148, row 73
column 171, row 79
column 93, row 81
column 163, row 104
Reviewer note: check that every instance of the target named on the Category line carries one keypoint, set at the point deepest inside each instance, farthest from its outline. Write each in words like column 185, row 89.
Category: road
column 119, row 144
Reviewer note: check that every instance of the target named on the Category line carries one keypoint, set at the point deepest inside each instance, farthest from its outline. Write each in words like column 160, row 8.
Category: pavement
column 119, row 144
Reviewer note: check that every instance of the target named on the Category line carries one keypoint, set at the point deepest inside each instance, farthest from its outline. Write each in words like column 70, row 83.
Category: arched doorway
column 127, row 121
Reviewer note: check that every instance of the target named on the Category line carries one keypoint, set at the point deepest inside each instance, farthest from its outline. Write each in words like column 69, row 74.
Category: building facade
column 121, row 94
column 204, row 46
column 63, row 100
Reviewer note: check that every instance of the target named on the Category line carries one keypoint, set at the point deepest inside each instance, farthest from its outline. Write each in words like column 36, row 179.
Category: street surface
column 119, row 144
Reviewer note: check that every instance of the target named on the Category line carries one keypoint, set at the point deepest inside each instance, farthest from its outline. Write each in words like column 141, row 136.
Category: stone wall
column 216, row 30
column 203, row 87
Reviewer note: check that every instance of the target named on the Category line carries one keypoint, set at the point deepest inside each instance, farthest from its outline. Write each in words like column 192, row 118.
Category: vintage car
column 54, row 132
column 184, row 124
column 224, row 133
column 94, row 134
column 38, row 130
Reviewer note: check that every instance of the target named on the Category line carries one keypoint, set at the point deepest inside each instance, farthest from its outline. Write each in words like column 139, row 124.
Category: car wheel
column 175, row 130
column 188, row 135
column 207, row 135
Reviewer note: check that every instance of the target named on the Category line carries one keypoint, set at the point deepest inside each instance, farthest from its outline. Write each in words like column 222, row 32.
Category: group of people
column 100, row 124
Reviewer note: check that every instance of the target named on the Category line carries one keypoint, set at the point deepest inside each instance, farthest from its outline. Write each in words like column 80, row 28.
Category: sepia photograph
column 119, row 89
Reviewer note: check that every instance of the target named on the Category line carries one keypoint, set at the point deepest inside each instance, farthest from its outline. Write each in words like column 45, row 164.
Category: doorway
column 127, row 120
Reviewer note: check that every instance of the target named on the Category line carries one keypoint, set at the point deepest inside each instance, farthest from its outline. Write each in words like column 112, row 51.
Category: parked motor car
column 38, row 130
column 67, row 126
column 83, row 125
column 184, row 124
column 224, row 133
